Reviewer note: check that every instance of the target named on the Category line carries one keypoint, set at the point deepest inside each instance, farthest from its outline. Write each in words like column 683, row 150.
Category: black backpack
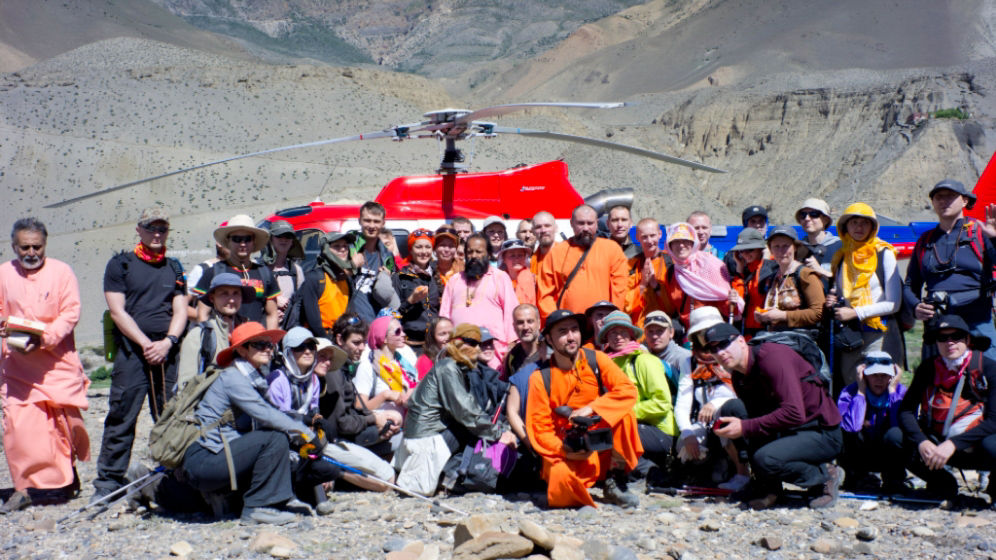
column 805, row 346
column 589, row 355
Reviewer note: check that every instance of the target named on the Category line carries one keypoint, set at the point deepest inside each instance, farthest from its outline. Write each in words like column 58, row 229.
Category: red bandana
column 148, row 255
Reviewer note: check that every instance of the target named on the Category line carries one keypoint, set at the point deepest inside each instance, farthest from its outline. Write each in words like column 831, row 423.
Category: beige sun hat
column 702, row 318
column 241, row 222
column 816, row 204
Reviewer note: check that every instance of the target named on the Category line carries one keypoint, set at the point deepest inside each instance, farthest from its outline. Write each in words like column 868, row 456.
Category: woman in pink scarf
column 696, row 279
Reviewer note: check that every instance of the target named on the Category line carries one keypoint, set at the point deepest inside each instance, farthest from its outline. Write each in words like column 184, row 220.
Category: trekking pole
column 152, row 393
column 394, row 486
column 153, row 479
column 733, row 309
column 114, row 493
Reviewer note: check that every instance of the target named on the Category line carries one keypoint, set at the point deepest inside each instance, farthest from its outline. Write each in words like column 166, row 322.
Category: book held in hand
column 18, row 324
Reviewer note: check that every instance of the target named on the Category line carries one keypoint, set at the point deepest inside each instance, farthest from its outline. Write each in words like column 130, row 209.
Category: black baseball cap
column 722, row 332
column 752, row 211
column 599, row 305
column 954, row 186
column 563, row 315
column 934, row 326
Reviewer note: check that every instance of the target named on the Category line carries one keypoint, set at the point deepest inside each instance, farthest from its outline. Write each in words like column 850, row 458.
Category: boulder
column 266, row 540
column 492, row 545
column 537, row 534
column 565, row 552
column 473, row 527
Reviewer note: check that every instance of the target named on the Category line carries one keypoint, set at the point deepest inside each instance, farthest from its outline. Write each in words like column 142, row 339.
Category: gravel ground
column 368, row 525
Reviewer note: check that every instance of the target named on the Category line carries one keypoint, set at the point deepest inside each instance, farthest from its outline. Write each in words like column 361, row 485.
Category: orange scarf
column 711, row 372
column 148, row 255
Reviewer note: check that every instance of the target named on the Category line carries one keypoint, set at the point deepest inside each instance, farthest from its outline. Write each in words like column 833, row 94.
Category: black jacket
column 415, row 317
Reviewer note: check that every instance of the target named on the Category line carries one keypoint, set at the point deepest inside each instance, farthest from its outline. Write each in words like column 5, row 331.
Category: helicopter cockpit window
column 309, row 240
column 401, row 240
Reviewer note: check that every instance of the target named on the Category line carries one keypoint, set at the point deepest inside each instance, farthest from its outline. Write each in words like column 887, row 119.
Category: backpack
column 905, row 316
column 177, row 428
column 805, row 346
column 977, row 243
column 939, row 404
column 589, row 356
column 110, row 342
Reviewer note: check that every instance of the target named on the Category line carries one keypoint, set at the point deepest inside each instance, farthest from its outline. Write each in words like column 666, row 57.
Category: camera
column 939, row 300
column 580, row 436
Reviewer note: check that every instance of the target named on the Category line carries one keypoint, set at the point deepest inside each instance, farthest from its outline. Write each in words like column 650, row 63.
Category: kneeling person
column 589, row 383
column 782, row 417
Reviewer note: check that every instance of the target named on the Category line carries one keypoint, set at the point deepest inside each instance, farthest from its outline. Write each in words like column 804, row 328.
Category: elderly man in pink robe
column 42, row 385
column 482, row 295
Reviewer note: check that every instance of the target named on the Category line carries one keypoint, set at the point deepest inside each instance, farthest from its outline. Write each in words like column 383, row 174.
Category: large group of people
column 504, row 360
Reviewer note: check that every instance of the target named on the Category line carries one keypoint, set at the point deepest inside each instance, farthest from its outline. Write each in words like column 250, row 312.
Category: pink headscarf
column 701, row 276
column 378, row 332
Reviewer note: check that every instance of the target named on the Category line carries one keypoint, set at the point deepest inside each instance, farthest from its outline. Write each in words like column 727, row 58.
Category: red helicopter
column 429, row 201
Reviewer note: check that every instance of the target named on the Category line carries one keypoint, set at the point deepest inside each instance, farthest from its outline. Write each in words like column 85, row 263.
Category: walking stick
column 152, row 393
column 160, row 471
column 394, row 486
column 152, row 478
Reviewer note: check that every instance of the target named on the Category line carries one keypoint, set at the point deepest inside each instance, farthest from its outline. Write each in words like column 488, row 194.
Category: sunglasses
column 242, row 238
column 353, row 321
column 717, row 347
column 470, row 342
column 878, row 361
column 448, row 230
column 422, row 233
column 285, row 236
column 156, row 229
column 812, row 214
column 955, row 337
column 312, row 346
column 398, row 331
column 260, row 345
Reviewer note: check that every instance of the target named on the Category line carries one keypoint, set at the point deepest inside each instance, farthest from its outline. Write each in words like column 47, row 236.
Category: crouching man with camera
column 783, row 417
column 580, row 419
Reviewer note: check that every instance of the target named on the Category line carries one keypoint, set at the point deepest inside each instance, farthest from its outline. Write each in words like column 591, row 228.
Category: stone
column 667, row 517
column 568, row 540
column 493, row 545
column 430, row 552
column 415, row 547
column 847, row 522
column 647, row 543
column 473, row 527
column 826, row 526
column 869, row 506
column 122, row 524
column 596, row 550
column 868, row 533
column 710, row 526
column 564, row 552
column 622, row 553
column 266, row 540
column 862, row 548
column 923, row 532
column 394, row 544
column 43, row 525
column 689, row 556
column 969, row 521
column 823, row 546
column 676, row 550
column 770, row 543
column 401, row 555
column 536, row 533
column 181, row 548
column 281, row 552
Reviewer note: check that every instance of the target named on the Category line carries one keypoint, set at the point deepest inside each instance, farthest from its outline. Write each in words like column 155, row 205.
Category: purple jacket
column 855, row 412
column 279, row 393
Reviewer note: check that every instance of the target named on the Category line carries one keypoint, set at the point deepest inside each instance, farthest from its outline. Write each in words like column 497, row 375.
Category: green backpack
column 177, row 428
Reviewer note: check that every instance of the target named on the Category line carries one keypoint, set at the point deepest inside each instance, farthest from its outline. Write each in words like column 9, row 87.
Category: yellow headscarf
column 860, row 260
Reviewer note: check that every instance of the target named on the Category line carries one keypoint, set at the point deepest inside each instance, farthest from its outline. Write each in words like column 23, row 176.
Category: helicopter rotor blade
column 505, row 109
column 603, row 144
column 394, row 132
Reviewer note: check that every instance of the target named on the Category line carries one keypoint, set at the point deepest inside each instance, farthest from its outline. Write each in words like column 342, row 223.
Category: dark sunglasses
column 448, row 230
column 878, row 361
column 242, row 238
column 955, row 336
column 717, row 347
column 353, row 321
column 422, row 233
column 812, row 214
column 285, row 236
column 312, row 346
column 260, row 345
column 470, row 342
column 398, row 331
column 156, row 229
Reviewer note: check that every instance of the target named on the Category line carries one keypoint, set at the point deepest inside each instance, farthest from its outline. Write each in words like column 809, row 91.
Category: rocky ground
column 373, row 526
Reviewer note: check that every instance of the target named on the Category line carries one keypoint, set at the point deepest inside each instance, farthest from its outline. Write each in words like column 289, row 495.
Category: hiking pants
column 794, row 456
column 129, row 388
column 982, row 457
column 262, row 468
column 656, row 444
column 864, row 454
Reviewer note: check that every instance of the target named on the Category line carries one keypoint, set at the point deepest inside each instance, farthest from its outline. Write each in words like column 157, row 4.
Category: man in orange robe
column 602, row 275
column 647, row 271
column 573, row 382
column 545, row 232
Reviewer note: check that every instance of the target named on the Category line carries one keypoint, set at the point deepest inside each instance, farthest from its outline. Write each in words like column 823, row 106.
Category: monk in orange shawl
column 646, row 273
column 602, row 275
column 545, row 232
column 569, row 472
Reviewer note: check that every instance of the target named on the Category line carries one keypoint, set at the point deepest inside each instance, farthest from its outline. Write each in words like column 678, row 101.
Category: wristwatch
column 174, row 340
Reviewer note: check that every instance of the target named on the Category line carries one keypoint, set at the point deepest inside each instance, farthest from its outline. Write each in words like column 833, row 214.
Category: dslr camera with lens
column 939, row 300
column 580, row 436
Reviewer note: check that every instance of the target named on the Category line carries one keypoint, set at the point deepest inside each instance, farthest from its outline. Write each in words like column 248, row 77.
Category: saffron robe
column 602, row 277
column 642, row 300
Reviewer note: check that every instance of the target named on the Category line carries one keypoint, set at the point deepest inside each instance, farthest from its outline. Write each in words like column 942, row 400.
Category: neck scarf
column 630, row 348
column 331, row 264
column 701, row 276
column 860, row 259
column 712, row 372
column 257, row 381
column 148, row 255
column 947, row 372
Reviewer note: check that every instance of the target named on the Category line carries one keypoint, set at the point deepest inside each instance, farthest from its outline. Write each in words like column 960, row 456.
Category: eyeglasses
column 717, row 347
column 812, row 214
column 422, row 233
column 260, row 345
column 285, row 236
column 242, row 238
column 398, row 331
column 311, row 346
column 470, row 342
column 951, row 337
column 156, row 229
column 878, row 361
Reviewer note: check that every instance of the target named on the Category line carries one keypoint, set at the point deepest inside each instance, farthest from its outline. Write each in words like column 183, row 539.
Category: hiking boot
column 831, row 489
column 266, row 516
column 146, row 494
column 18, row 501
column 297, row 506
column 737, row 483
column 100, row 494
column 616, row 492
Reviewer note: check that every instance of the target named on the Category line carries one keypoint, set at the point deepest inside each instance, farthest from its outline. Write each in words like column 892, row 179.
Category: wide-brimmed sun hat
column 244, row 333
column 241, row 222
